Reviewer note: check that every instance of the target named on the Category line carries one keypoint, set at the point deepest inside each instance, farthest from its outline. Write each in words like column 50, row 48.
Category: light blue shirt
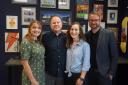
column 78, row 58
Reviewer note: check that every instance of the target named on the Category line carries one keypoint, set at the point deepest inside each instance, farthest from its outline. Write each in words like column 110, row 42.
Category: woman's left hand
column 79, row 82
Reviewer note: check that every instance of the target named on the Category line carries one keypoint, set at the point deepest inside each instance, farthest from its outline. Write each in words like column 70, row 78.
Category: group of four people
column 72, row 58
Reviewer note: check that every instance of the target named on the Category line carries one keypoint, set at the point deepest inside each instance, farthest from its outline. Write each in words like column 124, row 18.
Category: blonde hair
column 28, row 35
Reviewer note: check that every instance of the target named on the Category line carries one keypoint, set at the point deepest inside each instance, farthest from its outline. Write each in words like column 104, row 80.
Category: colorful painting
column 11, row 42
column 82, row 9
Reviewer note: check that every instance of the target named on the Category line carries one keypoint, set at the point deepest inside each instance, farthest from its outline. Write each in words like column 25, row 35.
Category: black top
column 55, row 54
column 92, row 40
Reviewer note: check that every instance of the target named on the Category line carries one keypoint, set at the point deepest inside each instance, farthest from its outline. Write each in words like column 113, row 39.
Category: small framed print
column 30, row 2
column 112, row 16
column 11, row 42
column 28, row 14
column 48, row 3
column 112, row 3
column 63, row 4
column 11, row 22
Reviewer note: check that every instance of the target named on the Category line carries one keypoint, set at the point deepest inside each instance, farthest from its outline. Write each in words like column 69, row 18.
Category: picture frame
column 112, row 16
column 46, row 15
column 82, row 9
column 98, row 8
column 64, row 4
column 27, row 2
column 112, row 3
column 28, row 14
column 11, row 41
column 24, row 32
column 48, row 3
column 115, row 31
column 11, row 22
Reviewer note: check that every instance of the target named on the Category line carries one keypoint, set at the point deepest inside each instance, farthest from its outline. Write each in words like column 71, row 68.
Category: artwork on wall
column 65, row 15
column 98, row 8
column 63, row 4
column 28, row 14
column 11, row 42
column 115, row 31
column 112, row 16
column 11, row 22
column 33, row 2
column 82, row 9
column 24, row 32
column 112, row 3
column 48, row 3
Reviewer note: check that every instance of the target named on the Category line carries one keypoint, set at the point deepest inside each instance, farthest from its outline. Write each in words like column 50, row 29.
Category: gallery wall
column 11, row 9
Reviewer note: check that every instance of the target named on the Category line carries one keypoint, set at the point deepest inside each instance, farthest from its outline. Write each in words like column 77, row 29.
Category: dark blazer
column 106, row 52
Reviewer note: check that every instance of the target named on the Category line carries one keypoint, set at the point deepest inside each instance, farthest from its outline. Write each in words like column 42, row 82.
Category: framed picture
column 112, row 3
column 30, row 2
column 11, row 22
column 115, row 31
column 11, row 42
column 112, row 16
column 82, row 9
column 98, row 8
column 48, row 3
column 63, row 4
column 46, row 15
column 28, row 14
column 24, row 32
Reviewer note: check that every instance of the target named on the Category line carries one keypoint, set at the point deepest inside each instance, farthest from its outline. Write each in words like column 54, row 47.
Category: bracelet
column 82, row 79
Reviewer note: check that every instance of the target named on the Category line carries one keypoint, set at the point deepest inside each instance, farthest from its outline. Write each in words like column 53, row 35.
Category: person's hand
column 79, row 82
column 110, row 76
column 34, row 82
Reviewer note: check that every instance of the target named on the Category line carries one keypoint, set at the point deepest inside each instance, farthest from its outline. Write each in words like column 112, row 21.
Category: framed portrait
column 11, row 42
column 112, row 16
column 46, row 15
column 112, row 3
column 82, row 9
column 30, row 2
column 28, row 14
column 48, row 3
column 63, row 4
column 98, row 8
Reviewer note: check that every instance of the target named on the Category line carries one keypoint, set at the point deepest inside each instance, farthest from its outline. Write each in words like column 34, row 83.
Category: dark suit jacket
column 106, row 52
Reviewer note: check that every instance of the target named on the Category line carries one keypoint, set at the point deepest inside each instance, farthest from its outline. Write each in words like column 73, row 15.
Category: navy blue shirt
column 55, row 53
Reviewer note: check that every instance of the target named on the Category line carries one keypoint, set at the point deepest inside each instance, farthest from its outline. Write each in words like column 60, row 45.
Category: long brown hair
column 69, row 38
column 28, row 35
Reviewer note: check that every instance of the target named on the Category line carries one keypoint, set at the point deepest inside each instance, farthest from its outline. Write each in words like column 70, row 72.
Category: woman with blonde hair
column 32, row 54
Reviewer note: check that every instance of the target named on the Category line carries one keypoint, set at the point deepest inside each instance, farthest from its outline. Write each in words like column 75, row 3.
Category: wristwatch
column 82, row 79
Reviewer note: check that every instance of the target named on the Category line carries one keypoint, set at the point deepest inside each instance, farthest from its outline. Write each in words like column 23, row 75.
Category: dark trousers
column 72, row 80
column 51, row 80
column 95, row 78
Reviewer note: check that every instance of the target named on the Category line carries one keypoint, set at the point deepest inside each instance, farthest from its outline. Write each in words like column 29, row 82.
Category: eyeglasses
column 93, row 20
